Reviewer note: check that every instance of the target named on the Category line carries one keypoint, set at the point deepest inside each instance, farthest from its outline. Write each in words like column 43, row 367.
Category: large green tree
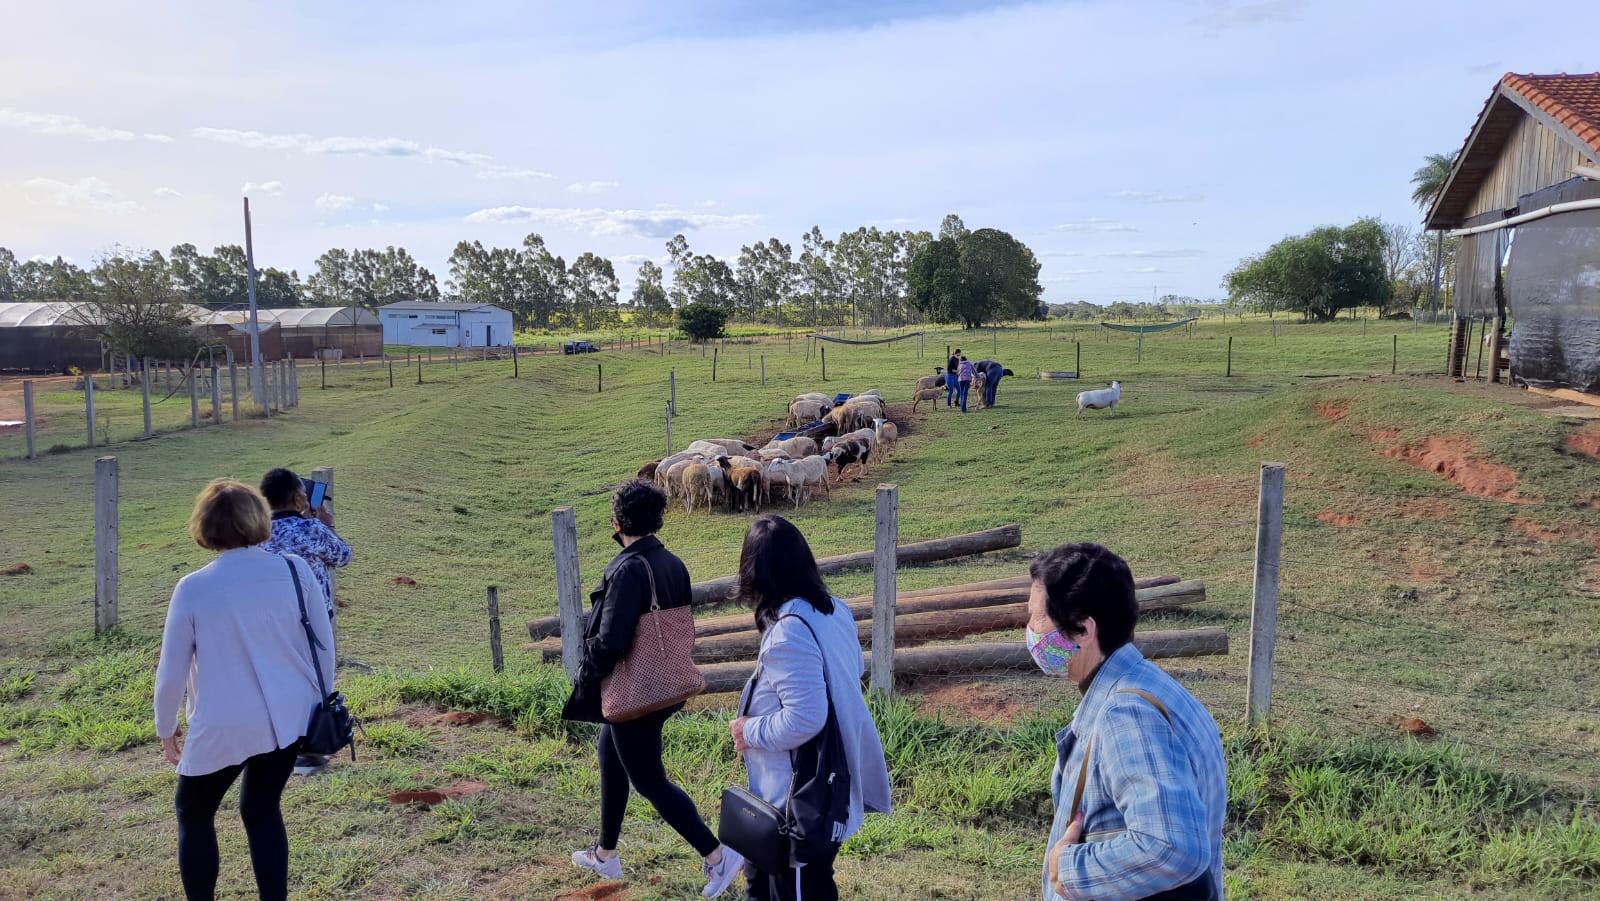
column 592, row 286
column 650, row 302
column 370, row 278
column 136, row 309
column 973, row 277
column 1317, row 274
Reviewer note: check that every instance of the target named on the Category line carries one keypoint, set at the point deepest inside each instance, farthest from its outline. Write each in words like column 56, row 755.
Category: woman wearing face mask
column 630, row 752
column 1140, row 787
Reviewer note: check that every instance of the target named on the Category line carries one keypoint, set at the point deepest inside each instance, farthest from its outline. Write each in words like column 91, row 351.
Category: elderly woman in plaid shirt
column 1140, row 786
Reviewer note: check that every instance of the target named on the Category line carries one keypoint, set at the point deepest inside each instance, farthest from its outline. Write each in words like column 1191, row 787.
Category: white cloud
column 267, row 188
column 1159, row 197
column 1075, row 271
column 1095, row 225
column 638, row 259
column 1154, row 254
column 1144, row 270
column 41, row 258
column 334, row 203
column 397, row 148
column 708, row 204
column 511, row 173
column 1225, row 14
column 658, row 223
column 86, row 193
column 167, row 192
column 61, row 126
column 1060, row 253
column 159, row 139
column 380, row 208
column 593, row 187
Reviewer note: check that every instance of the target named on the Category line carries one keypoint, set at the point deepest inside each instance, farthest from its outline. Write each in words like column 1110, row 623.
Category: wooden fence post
column 669, row 429
column 600, row 378
column 516, row 367
column 569, row 587
column 194, row 397
column 88, row 403
column 824, row 363
column 886, row 540
column 1394, row 357
column 233, row 388
column 105, row 543
column 763, row 369
column 1264, row 607
column 672, row 382
column 216, row 395
column 324, row 384
column 144, row 394
column 1229, row 373
column 27, row 415
column 495, row 652
column 1077, row 358
column 294, row 382
column 391, row 373
column 714, row 351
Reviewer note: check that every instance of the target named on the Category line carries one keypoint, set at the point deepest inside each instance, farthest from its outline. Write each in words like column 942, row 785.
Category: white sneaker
column 719, row 877
column 589, row 859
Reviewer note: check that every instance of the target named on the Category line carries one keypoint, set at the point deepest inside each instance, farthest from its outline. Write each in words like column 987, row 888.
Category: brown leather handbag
column 658, row 671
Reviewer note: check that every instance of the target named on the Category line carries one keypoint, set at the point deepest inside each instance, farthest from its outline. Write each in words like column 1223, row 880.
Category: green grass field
column 1405, row 596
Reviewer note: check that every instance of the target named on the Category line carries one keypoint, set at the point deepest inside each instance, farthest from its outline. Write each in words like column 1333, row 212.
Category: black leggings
column 198, row 799
column 631, row 752
column 816, row 882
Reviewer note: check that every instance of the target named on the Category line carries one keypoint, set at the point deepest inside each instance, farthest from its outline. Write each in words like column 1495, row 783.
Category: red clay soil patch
column 1257, row 441
column 1383, row 436
column 16, row 569
column 1415, row 727
column 995, row 704
column 1539, row 532
column 603, row 891
column 404, row 580
column 431, row 796
column 1452, row 457
column 1333, row 410
column 1586, row 439
column 1338, row 519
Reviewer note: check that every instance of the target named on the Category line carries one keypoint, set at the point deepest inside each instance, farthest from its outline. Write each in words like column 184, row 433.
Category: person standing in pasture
column 810, row 659
column 992, row 373
column 307, row 534
column 630, row 752
column 1140, row 785
column 964, row 374
column 951, row 365
column 235, row 655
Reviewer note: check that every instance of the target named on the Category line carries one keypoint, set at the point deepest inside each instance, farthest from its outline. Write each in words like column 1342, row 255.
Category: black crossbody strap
column 305, row 621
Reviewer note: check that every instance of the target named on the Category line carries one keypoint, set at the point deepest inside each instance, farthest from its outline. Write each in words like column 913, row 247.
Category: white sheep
column 798, row 446
column 715, row 447
column 1101, row 399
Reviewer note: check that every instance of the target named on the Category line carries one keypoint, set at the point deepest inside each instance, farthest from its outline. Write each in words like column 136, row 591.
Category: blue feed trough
column 840, row 398
column 783, row 436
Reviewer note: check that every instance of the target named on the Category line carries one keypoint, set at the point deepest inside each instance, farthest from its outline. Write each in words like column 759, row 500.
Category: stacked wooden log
column 952, row 612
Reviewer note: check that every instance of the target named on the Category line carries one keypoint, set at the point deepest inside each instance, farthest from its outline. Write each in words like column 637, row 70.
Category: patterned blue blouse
column 309, row 539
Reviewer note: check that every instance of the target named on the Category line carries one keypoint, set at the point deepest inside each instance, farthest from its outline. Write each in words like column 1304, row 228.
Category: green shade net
column 873, row 341
column 1147, row 329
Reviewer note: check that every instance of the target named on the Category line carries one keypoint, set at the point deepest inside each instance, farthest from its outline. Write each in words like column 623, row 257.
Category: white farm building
column 438, row 324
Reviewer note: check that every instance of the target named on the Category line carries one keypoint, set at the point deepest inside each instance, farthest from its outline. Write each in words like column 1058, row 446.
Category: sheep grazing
column 798, row 446
column 923, row 394
column 674, row 478
column 1101, row 399
column 804, row 411
column 854, row 450
column 888, row 435
column 868, row 435
column 714, row 446
column 648, row 471
column 799, row 476
column 857, row 412
column 696, row 484
column 748, row 488
column 932, row 381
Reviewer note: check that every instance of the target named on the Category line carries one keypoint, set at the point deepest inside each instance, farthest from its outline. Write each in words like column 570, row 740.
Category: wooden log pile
column 937, row 614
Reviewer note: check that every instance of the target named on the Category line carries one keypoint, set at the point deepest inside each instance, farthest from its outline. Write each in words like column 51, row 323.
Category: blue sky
column 1136, row 145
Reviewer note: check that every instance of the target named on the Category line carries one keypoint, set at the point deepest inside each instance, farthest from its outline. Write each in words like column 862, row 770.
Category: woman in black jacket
column 630, row 752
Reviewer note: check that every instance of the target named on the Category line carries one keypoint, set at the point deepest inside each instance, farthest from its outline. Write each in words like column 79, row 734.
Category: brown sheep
column 648, row 471
column 923, row 394
column 696, row 485
column 748, row 488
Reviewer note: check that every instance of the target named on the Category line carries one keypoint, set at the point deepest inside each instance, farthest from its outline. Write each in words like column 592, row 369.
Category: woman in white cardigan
column 235, row 647
column 810, row 657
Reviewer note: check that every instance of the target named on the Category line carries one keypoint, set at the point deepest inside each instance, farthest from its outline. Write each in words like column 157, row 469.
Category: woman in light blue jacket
column 788, row 697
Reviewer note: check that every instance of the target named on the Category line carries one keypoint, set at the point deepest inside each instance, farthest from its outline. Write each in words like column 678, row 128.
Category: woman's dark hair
column 278, row 486
column 775, row 566
column 639, row 508
column 1084, row 580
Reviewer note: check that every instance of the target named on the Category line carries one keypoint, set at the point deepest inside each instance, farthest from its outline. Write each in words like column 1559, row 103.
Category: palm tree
column 1430, row 177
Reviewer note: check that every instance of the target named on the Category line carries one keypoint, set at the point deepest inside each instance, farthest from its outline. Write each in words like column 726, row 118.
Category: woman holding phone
column 810, row 658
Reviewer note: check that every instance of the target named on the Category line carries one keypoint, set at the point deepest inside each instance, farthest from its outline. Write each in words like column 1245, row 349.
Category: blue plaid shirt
column 1155, row 794
column 312, row 541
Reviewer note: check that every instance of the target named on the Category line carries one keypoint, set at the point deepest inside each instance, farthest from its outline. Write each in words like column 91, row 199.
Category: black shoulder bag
column 331, row 728
column 818, row 807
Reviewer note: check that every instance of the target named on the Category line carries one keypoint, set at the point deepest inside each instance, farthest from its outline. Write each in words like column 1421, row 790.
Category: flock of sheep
column 731, row 472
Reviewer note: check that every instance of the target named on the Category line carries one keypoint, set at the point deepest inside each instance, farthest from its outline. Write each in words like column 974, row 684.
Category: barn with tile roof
column 1524, row 198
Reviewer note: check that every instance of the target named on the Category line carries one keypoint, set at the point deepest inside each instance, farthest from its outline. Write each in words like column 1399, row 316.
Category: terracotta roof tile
column 1572, row 100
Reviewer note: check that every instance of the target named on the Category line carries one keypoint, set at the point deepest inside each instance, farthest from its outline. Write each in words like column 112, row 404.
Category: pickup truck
column 579, row 347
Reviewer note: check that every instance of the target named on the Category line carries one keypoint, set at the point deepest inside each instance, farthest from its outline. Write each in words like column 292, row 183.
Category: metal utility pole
column 257, row 383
